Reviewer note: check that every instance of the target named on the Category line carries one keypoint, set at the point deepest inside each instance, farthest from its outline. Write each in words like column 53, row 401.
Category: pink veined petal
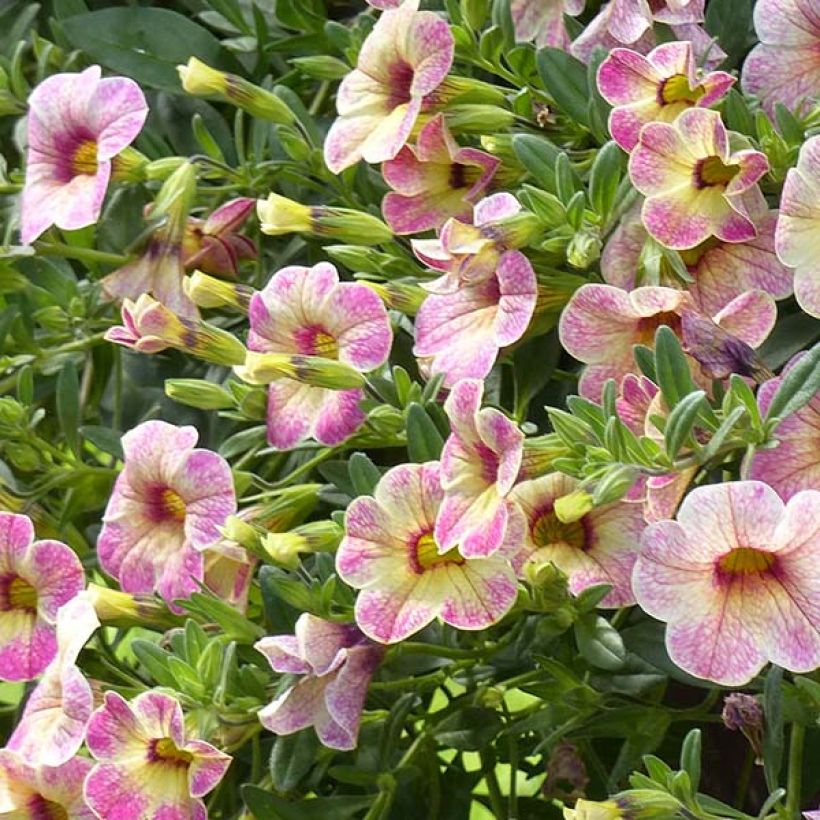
column 393, row 611
column 117, row 110
column 750, row 316
column 478, row 593
column 494, row 208
column 207, row 768
column 518, row 291
column 114, row 730
column 358, row 320
column 112, row 791
column 293, row 409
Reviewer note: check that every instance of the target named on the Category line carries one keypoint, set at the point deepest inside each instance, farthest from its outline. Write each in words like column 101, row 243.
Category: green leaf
column 599, row 642
column 68, row 405
column 538, row 156
column 146, row 44
column 729, row 21
column 604, row 178
column 155, row 661
column 468, row 729
column 798, row 387
column 681, row 420
column 104, row 438
column 721, row 434
column 690, row 757
column 671, row 367
column 773, row 727
column 565, row 78
column 364, row 474
column 292, row 758
column 424, row 442
column 266, row 806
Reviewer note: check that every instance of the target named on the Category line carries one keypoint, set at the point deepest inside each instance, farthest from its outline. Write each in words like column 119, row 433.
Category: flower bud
column 242, row 532
column 478, row 119
column 199, row 393
column 129, row 166
column 466, row 90
column 122, row 609
column 322, row 67
column 316, row 536
column 401, row 296
column 160, row 169
column 587, row 810
column 263, row 368
column 584, row 248
column 573, row 507
column 539, row 454
column 210, row 292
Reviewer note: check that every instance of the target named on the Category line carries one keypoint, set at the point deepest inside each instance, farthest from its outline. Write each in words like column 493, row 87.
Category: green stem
column 493, row 787
column 795, row 779
column 80, row 254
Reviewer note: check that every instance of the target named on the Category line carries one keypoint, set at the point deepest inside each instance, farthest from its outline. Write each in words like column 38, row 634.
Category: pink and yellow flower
column 798, row 226
column 785, row 66
column 52, row 727
column 146, row 764
column 166, row 508
column 434, row 180
column 228, row 572
column 543, row 21
column 390, row 553
column 77, row 124
column 655, row 88
column 36, row 579
column 601, row 323
column 459, row 334
column 733, row 577
column 793, row 465
column 308, row 312
column 337, row 663
column 402, row 61
column 599, row 548
column 479, row 466
column 213, row 245
column 695, row 187
column 721, row 271
column 37, row 792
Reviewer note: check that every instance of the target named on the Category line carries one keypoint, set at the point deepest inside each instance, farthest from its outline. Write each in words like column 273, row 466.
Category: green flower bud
column 199, row 393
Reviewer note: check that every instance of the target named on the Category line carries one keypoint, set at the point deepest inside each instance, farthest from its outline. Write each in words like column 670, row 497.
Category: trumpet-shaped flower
column 337, row 663
column 228, row 572
column 308, row 312
column 785, row 66
column 52, row 727
column 655, row 88
column 166, row 508
column 147, row 766
column 213, row 245
column 794, row 464
column 390, row 553
column 434, row 180
column 721, row 271
column 36, row 579
column 599, row 548
column 798, row 226
column 43, row 792
column 543, row 21
column 733, row 577
column 77, row 124
column 479, row 465
column 461, row 332
column 601, row 324
column 695, row 187
column 402, row 61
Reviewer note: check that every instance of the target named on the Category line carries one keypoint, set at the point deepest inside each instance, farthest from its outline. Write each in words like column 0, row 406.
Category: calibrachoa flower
column 599, row 548
column 52, row 727
column 77, row 124
column 402, row 61
column 479, row 465
column 147, row 766
column 434, row 180
column 721, row 270
column 166, row 508
column 695, row 187
column 543, row 21
column 734, row 578
column 308, row 312
column 460, row 333
column 389, row 552
column 798, row 226
column 228, row 572
column 337, row 662
column 657, row 87
column 43, row 792
column 36, row 579
column 601, row 324
column 785, row 66
column 213, row 245
column 794, row 464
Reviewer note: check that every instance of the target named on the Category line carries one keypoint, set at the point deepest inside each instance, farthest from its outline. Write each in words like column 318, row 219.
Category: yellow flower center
column 713, row 171
column 325, row 345
column 746, row 561
column 547, row 530
column 84, row 160
column 166, row 751
column 171, row 505
column 649, row 324
column 17, row 593
column 428, row 556
column 676, row 89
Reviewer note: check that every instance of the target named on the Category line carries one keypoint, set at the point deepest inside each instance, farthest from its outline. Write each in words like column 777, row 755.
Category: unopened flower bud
column 401, row 296
column 322, row 66
column 237, row 529
column 123, row 609
column 129, row 166
column 573, row 507
column 539, row 455
column 316, row 536
column 160, row 169
column 210, row 292
column 199, row 393
column 478, row 119
column 468, row 90
column 584, row 248
column 263, row 368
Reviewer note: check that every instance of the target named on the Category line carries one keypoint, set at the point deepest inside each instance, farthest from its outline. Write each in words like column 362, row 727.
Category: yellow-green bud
column 401, row 296
column 573, row 507
column 316, row 536
column 160, row 169
column 122, row 609
column 478, row 119
column 129, row 166
column 263, row 368
column 199, row 393
column 210, row 292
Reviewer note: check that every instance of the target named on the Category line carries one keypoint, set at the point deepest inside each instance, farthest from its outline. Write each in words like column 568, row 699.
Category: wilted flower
column 461, row 332
column 566, row 773
column 734, row 579
column 798, row 225
column 406, row 580
column 337, row 663
column 36, row 579
column 434, row 180
column 402, row 61
column 543, row 21
column 744, row 712
column 52, row 727
column 42, row 792
column 695, row 187
column 165, row 509
column 599, row 547
column 77, row 124
column 794, row 464
column 657, row 87
column 308, row 312
column 147, row 766
column 784, row 67
column 479, row 465
column 213, row 245
column 601, row 324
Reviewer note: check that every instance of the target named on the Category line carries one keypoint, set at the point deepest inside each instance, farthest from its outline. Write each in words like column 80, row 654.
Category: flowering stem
column 80, row 254
column 794, row 783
